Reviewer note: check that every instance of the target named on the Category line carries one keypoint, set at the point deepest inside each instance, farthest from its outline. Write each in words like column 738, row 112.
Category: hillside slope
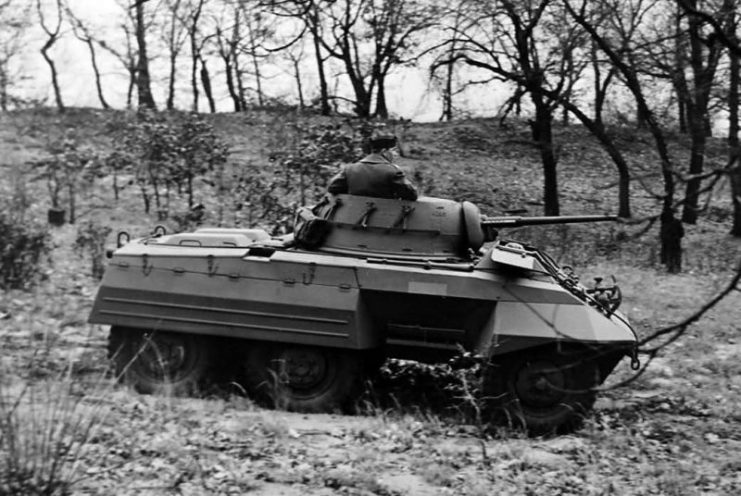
column 674, row 430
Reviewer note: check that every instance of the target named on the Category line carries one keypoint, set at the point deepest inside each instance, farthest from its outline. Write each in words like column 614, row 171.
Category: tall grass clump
column 46, row 430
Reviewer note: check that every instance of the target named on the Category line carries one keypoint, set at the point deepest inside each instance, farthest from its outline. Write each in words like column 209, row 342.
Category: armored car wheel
column 303, row 378
column 160, row 362
column 543, row 390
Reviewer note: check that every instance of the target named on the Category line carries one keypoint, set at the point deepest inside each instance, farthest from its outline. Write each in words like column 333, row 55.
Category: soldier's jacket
column 375, row 176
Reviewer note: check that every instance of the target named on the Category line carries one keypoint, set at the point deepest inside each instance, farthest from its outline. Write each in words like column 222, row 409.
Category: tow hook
column 635, row 362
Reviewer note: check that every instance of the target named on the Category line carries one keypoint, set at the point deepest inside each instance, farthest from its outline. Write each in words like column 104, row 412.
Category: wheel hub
column 163, row 356
column 540, row 384
column 304, row 369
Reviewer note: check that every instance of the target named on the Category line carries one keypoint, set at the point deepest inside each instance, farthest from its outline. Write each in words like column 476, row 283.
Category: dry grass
column 45, row 430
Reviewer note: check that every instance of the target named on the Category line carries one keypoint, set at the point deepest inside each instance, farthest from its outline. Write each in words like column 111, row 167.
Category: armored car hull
column 306, row 322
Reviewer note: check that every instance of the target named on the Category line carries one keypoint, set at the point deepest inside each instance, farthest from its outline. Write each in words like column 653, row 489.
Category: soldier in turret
column 375, row 175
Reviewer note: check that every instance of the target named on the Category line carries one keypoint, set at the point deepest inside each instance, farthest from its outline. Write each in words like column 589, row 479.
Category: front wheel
column 543, row 390
column 303, row 378
column 156, row 362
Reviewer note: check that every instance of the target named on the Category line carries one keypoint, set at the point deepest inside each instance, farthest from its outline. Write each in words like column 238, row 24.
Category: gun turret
column 491, row 224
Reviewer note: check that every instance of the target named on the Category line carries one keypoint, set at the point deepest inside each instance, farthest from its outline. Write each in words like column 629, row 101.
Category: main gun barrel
column 498, row 222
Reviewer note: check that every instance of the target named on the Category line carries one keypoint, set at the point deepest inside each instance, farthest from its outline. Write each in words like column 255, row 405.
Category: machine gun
column 491, row 225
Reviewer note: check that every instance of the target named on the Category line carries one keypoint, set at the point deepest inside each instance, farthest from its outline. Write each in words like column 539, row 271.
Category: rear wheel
column 544, row 390
column 160, row 362
column 303, row 378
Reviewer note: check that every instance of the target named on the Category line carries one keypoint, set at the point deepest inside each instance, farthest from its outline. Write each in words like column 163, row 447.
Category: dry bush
column 23, row 243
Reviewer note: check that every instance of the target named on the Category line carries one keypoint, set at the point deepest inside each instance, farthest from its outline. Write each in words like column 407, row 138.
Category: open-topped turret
column 429, row 228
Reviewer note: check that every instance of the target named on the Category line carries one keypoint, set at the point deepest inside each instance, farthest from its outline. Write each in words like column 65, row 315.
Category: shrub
column 304, row 156
column 91, row 238
column 69, row 168
column 165, row 155
column 22, row 246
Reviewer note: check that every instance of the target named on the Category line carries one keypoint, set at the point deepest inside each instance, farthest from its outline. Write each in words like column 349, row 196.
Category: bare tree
column 310, row 14
column 128, row 58
column 294, row 53
column 83, row 33
column 52, row 31
column 174, row 34
column 227, row 50
column 312, row 21
column 368, row 38
column 258, row 30
column 191, row 20
column 206, row 82
column 703, row 61
column 394, row 26
column 449, row 54
column 390, row 27
column 143, row 80
column 671, row 231
column 727, row 36
column 503, row 38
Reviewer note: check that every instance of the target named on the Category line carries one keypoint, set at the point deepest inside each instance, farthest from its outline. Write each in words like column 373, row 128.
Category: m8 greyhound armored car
column 307, row 316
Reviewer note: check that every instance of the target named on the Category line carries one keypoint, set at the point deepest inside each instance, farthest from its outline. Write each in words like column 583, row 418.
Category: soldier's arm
column 338, row 184
column 403, row 187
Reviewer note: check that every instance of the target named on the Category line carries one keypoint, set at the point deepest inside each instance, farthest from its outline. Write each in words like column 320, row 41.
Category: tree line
column 675, row 61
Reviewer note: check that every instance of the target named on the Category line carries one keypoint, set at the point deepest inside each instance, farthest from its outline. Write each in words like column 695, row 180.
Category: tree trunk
column 234, row 43
column 130, row 89
column 362, row 96
column 195, row 52
column 696, row 113
column 447, row 114
column 323, row 87
column 171, row 81
column 733, row 128
column 256, row 69
column 189, row 189
column 671, row 242
column 96, row 70
column 229, row 74
column 299, row 85
column 54, row 76
column 736, row 193
column 598, row 98
column 194, row 70
column 697, row 160
column 143, row 83
column 206, row 81
column 3, row 89
column 242, row 92
column 52, row 36
column 72, row 202
column 680, row 83
column 381, row 108
column 542, row 135
column 145, row 196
